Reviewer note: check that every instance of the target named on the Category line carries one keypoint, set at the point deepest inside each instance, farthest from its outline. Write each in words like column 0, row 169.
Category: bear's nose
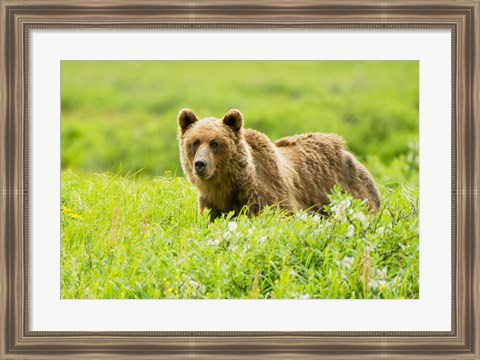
column 200, row 165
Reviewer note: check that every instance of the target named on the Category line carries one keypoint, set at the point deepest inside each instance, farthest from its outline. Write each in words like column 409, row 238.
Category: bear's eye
column 214, row 144
column 195, row 145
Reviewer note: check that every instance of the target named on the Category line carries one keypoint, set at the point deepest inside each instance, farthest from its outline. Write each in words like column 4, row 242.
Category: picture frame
column 19, row 17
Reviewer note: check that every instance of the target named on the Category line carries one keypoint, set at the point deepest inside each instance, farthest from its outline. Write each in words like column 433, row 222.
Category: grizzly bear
column 233, row 167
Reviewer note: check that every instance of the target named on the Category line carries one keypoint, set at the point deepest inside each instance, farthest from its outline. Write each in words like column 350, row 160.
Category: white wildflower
column 302, row 216
column 347, row 262
column 194, row 284
column 360, row 217
column 316, row 218
column 350, row 231
column 246, row 248
column 232, row 226
column 196, row 287
column 379, row 279
column 340, row 210
column 340, row 213
column 377, row 284
column 381, row 274
column 262, row 240
column 304, row 297
column 214, row 242
column 381, row 231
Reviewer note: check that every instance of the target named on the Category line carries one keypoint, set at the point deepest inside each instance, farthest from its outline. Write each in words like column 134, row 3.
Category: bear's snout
column 200, row 166
column 203, row 163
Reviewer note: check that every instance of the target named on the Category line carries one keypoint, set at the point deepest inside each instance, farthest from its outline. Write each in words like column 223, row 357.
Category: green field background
column 121, row 115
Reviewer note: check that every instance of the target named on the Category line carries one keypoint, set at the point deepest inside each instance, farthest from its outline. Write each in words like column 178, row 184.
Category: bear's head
column 208, row 145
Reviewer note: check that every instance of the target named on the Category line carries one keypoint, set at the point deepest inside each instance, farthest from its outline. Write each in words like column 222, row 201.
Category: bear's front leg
column 203, row 204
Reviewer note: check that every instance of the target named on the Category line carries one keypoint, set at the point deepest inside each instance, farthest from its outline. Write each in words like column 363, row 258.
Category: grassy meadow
column 130, row 227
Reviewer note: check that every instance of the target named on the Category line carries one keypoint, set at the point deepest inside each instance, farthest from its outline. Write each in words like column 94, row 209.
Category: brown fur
column 243, row 167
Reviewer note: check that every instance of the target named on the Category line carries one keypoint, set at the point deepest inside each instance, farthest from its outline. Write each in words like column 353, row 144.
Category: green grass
column 128, row 238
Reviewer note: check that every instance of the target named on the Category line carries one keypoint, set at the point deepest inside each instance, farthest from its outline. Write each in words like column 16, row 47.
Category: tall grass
column 130, row 238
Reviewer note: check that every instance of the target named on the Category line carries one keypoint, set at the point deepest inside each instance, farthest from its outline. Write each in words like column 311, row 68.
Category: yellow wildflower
column 70, row 213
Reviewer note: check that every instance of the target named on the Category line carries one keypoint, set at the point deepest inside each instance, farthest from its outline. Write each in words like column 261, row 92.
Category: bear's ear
column 234, row 119
column 185, row 118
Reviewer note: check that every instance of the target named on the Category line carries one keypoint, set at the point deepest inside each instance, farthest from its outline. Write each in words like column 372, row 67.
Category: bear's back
column 318, row 163
column 312, row 140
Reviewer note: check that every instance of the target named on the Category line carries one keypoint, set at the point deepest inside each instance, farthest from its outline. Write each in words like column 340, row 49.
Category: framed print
column 106, row 252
